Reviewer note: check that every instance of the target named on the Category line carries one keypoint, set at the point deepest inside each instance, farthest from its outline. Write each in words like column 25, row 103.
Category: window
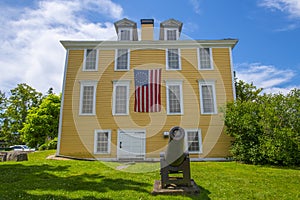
column 173, row 59
column 102, row 141
column 122, row 60
column 171, row 34
column 125, row 34
column 194, row 141
column 205, row 61
column 120, row 98
column 174, row 97
column 87, row 97
column 90, row 60
column 207, row 97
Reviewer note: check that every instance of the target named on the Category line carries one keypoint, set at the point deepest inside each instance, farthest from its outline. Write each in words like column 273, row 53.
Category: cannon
column 175, row 161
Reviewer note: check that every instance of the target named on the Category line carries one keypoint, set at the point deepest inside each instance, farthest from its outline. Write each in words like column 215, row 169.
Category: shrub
column 265, row 130
column 52, row 144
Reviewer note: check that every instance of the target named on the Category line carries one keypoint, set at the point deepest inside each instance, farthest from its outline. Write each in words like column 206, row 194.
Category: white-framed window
column 207, row 97
column 102, row 141
column 174, row 97
column 122, row 57
column 87, row 97
column 205, row 59
column 193, row 140
column 121, row 97
column 171, row 34
column 125, row 34
column 90, row 60
column 173, row 60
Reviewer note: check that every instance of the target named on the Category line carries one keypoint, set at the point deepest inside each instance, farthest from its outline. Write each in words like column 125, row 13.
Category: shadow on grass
column 55, row 182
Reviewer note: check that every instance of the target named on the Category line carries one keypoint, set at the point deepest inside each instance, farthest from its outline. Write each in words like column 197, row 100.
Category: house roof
column 155, row 44
column 171, row 23
column 124, row 23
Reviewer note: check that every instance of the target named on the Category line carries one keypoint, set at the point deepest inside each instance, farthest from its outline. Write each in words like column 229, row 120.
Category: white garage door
column 131, row 145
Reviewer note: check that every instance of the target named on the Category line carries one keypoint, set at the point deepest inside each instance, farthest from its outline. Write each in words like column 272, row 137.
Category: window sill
column 81, row 114
column 101, row 153
column 90, row 70
column 121, row 70
column 195, row 152
column 209, row 113
column 208, row 69
column 174, row 114
column 114, row 114
column 179, row 69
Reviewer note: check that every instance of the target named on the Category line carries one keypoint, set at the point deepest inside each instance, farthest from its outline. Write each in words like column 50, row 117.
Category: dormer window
column 170, row 30
column 171, row 34
column 126, row 30
column 125, row 34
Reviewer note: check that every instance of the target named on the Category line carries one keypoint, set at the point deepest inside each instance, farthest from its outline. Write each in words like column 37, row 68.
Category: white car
column 21, row 148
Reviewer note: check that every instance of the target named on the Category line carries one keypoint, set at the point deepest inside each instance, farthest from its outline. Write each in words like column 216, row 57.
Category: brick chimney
column 147, row 29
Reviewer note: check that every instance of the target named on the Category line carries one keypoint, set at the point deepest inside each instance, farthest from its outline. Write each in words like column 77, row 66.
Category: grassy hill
column 40, row 178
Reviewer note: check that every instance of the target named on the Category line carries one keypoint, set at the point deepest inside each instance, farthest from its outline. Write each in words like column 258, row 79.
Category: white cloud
column 292, row 7
column 196, row 6
column 288, row 27
column 265, row 76
column 30, row 51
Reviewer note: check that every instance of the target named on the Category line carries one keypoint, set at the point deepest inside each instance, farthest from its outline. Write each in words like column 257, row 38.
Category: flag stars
column 141, row 78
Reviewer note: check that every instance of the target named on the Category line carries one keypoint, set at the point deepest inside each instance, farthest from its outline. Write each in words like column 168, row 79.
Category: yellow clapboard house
column 100, row 114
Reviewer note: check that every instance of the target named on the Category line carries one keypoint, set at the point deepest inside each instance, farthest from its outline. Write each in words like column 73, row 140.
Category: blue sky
column 268, row 31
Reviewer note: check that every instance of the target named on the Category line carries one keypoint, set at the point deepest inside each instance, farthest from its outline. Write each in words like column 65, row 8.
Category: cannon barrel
column 175, row 161
column 175, row 151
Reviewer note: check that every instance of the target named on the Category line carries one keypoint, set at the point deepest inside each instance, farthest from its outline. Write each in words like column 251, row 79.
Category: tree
column 22, row 98
column 246, row 91
column 3, row 101
column 265, row 127
column 41, row 124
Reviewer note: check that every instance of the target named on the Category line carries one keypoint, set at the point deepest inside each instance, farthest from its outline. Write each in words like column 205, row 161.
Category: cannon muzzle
column 175, row 151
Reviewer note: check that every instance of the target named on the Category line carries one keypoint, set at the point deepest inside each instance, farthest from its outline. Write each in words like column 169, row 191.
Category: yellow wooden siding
column 77, row 137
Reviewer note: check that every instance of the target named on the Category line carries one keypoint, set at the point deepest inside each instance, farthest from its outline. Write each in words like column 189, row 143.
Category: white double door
column 131, row 144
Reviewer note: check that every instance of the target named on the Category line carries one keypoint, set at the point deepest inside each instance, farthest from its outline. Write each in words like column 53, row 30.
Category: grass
column 39, row 178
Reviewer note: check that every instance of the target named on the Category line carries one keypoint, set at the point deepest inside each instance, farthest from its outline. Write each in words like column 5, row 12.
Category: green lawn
column 39, row 178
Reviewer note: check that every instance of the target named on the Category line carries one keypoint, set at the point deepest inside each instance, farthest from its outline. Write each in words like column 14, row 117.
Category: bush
column 52, row 144
column 265, row 130
column 43, row 147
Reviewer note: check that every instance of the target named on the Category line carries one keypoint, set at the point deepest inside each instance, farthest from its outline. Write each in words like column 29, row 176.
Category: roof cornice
column 156, row 44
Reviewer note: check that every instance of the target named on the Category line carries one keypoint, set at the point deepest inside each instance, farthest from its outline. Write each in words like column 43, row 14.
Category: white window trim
column 120, row 83
column 170, row 29
column 128, row 60
column 167, row 60
column 84, row 61
column 170, row 83
column 88, row 83
column 211, row 59
column 96, row 142
column 200, row 141
column 212, row 83
column 125, row 29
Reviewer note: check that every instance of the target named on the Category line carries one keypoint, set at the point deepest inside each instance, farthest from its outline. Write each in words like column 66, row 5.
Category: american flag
column 147, row 90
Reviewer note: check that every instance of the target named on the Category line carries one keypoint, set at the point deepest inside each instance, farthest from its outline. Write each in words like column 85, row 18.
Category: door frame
column 130, row 130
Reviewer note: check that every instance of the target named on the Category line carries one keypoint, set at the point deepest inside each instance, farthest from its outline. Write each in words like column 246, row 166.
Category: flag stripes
column 147, row 90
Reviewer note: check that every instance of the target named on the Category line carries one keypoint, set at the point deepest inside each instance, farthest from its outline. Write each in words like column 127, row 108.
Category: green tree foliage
column 22, row 98
column 246, row 91
column 266, row 128
column 41, row 126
